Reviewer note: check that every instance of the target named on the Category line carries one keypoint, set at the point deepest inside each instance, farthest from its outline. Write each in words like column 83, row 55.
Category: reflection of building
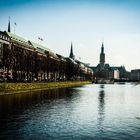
column 135, row 75
column 101, row 107
column 105, row 71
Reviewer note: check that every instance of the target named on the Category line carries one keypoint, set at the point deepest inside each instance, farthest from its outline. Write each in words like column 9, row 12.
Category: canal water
column 96, row 112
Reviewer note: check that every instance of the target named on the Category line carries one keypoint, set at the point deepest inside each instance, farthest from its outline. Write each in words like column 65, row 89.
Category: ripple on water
column 89, row 112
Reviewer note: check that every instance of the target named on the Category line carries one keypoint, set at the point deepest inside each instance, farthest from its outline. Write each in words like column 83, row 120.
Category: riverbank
column 10, row 88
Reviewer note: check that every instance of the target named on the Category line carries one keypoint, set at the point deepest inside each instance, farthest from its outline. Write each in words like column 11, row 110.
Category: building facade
column 135, row 75
column 23, row 60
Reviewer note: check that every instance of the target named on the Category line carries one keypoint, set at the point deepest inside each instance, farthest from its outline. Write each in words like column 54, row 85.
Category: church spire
column 9, row 29
column 102, row 49
column 102, row 57
column 71, row 52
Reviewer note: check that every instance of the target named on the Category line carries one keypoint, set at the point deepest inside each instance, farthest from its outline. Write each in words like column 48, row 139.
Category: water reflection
column 72, row 113
column 101, row 107
column 20, row 101
column 12, row 106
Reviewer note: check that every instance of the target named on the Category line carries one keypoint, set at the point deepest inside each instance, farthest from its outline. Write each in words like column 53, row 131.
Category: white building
column 114, row 73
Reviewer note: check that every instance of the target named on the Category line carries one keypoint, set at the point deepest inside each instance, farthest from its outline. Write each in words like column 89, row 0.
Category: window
column 0, row 49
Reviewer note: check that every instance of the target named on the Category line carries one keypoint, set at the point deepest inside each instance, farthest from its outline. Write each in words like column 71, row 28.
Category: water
column 108, row 112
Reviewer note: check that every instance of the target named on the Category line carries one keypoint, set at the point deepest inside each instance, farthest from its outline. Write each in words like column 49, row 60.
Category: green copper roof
column 18, row 39
column 39, row 48
column 31, row 44
column 42, row 49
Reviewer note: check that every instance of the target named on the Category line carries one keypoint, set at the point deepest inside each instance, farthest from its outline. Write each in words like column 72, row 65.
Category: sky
column 85, row 23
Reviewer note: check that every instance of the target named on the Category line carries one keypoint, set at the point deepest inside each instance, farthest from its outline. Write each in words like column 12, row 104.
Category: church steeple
column 9, row 29
column 102, row 49
column 71, row 52
column 102, row 57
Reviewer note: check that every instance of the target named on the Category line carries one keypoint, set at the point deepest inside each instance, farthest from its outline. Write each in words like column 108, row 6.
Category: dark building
column 135, row 75
column 24, row 60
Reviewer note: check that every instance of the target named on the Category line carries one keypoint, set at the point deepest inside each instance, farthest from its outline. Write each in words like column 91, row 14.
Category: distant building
column 105, row 71
column 101, row 70
column 114, row 73
column 124, row 74
column 135, row 75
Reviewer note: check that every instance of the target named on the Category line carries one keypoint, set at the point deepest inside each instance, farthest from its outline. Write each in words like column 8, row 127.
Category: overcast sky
column 84, row 22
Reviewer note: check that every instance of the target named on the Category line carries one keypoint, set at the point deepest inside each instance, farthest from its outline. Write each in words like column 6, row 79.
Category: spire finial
column 9, row 29
column 71, row 52
column 102, row 47
column 102, row 42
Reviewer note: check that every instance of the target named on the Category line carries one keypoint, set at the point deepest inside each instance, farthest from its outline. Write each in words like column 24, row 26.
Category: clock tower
column 102, row 57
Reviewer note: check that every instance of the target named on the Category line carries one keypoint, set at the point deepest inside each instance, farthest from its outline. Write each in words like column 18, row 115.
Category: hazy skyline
column 84, row 22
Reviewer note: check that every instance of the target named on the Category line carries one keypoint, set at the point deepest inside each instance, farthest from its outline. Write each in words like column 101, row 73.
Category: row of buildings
column 25, row 60
column 113, row 73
